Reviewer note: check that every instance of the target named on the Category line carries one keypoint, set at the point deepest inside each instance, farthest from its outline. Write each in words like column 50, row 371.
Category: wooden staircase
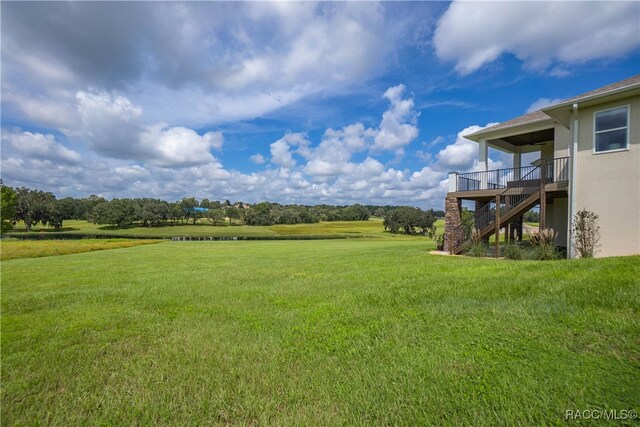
column 519, row 196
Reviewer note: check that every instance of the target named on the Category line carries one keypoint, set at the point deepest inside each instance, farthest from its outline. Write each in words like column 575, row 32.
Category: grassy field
column 340, row 332
column 12, row 249
column 371, row 228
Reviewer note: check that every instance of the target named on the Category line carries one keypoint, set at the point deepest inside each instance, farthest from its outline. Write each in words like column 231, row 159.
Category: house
column 589, row 158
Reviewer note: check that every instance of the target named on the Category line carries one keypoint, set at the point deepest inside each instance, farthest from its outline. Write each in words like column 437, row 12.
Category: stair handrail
column 486, row 215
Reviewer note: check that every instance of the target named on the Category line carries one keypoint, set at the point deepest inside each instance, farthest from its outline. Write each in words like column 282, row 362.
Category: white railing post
column 517, row 163
column 453, row 182
column 484, row 181
column 483, row 155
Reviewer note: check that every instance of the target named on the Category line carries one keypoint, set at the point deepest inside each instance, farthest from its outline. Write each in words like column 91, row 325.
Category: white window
column 611, row 130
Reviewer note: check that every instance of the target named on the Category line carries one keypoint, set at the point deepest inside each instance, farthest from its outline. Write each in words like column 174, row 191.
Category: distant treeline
column 35, row 206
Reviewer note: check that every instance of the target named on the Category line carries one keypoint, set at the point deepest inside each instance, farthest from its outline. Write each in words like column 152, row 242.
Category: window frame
column 595, row 133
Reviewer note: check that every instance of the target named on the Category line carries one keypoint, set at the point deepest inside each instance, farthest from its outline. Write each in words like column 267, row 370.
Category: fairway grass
column 335, row 332
column 371, row 228
column 12, row 249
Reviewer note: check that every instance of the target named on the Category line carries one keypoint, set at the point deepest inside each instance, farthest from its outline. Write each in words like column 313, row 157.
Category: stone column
column 452, row 219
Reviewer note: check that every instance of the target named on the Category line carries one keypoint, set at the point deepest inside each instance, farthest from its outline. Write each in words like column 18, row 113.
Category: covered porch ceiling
column 527, row 141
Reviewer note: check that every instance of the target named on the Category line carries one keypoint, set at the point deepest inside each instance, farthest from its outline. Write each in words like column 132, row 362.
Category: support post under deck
column 497, row 226
column 543, row 196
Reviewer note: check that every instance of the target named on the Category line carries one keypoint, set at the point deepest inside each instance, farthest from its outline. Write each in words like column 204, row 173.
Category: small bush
column 586, row 233
column 477, row 248
column 513, row 251
column 545, row 253
column 430, row 232
column 545, row 236
column 440, row 242
column 543, row 242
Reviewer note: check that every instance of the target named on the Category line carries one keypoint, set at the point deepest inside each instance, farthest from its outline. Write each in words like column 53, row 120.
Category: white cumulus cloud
column 178, row 146
column 39, row 146
column 462, row 155
column 472, row 34
column 257, row 158
column 114, row 127
column 280, row 152
column 398, row 126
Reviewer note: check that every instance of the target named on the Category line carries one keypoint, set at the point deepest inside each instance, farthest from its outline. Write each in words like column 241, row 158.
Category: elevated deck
column 486, row 195
column 486, row 185
column 502, row 196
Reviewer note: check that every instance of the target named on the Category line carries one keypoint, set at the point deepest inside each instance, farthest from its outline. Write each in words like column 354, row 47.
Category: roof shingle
column 540, row 116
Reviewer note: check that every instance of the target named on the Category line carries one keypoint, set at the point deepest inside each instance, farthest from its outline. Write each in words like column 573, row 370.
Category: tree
column 408, row 219
column 259, row 214
column 151, row 212
column 69, row 208
column 175, row 212
column 8, row 199
column 189, row 205
column 56, row 214
column 379, row 212
column 118, row 212
column 586, row 232
column 531, row 216
column 205, row 203
column 33, row 206
column 354, row 213
column 232, row 213
column 216, row 216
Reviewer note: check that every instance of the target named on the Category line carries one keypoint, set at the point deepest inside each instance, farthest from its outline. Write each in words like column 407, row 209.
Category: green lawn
column 335, row 332
column 12, row 249
column 371, row 228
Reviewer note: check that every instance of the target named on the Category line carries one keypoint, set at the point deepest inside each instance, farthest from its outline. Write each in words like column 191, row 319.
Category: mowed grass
column 371, row 228
column 339, row 332
column 12, row 249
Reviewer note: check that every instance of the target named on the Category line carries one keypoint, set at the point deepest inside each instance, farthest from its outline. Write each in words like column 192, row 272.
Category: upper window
column 611, row 129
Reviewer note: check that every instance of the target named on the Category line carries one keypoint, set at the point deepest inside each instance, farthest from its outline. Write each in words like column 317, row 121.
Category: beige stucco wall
column 609, row 183
column 562, row 141
column 556, row 218
column 546, row 150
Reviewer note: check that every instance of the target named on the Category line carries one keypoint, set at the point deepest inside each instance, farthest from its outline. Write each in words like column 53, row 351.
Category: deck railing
column 517, row 192
column 557, row 170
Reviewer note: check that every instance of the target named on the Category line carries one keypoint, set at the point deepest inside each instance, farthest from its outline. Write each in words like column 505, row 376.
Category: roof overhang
column 526, row 136
column 526, row 132
column 562, row 111
column 532, row 126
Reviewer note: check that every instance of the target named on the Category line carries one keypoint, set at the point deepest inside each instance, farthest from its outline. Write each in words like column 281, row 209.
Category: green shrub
column 513, row 251
column 477, row 248
column 430, row 232
column 543, row 245
column 545, row 253
column 586, row 233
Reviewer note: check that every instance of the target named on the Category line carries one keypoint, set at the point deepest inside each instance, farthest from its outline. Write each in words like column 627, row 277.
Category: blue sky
column 296, row 102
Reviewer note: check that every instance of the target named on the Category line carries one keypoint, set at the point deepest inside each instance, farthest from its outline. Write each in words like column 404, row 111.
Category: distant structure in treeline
column 35, row 206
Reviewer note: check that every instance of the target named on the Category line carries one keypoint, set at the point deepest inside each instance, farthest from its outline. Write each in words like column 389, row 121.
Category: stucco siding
column 556, row 218
column 562, row 141
column 609, row 183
